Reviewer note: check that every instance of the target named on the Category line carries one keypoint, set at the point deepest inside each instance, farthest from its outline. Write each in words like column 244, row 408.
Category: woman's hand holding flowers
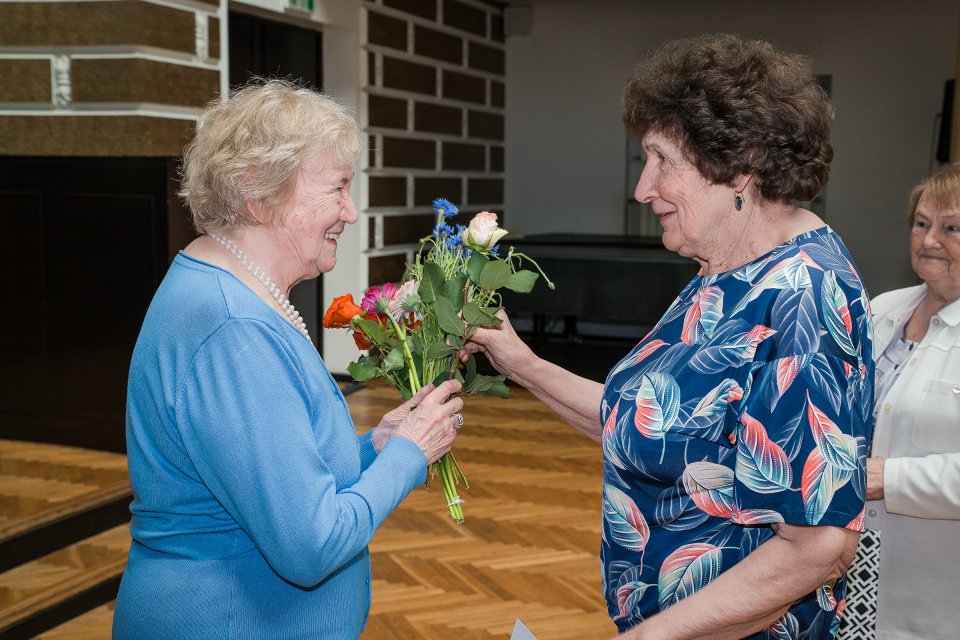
column 432, row 425
column 506, row 351
column 392, row 419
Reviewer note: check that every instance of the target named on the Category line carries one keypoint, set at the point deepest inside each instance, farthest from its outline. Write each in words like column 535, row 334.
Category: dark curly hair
column 735, row 107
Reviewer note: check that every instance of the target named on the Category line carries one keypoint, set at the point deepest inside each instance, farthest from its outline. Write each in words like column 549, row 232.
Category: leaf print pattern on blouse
column 836, row 313
column 703, row 315
column 686, row 571
column 820, row 481
column 727, row 351
column 710, row 486
column 786, row 628
column 761, row 464
column 710, row 409
column 658, row 403
column 790, row 274
column 628, row 527
column 838, row 448
column 630, row 589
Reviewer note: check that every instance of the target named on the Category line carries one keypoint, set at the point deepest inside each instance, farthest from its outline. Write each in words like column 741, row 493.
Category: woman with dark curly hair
column 734, row 434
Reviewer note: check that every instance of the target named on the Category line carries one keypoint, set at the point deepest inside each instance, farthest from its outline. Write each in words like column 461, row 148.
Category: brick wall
column 106, row 78
column 434, row 114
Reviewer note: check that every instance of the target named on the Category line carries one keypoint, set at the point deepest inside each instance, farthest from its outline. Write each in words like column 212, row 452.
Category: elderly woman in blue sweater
column 254, row 499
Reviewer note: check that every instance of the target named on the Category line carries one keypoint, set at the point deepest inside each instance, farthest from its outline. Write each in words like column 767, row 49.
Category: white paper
column 520, row 632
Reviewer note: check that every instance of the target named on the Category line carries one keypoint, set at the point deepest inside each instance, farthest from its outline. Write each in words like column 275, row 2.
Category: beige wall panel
column 25, row 81
column 133, row 80
column 93, row 136
column 47, row 24
column 213, row 29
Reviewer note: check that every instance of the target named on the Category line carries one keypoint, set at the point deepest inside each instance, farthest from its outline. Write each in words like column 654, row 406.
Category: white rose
column 483, row 232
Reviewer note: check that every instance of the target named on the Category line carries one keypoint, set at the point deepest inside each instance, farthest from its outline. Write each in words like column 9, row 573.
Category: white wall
column 565, row 157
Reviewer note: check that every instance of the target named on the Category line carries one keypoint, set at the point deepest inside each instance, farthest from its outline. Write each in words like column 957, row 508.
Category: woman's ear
column 258, row 211
column 742, row 182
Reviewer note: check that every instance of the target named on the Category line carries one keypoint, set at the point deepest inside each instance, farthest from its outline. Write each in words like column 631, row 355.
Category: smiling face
column 695, row 214
column 318, row 211
column 935, row 246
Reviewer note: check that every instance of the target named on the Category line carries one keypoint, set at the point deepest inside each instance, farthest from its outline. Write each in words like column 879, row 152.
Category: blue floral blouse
column 748, row 404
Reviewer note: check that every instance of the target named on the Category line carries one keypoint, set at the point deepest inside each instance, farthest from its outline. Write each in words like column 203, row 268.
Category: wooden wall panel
column 25, row 81
column 93, row 136
column 133, row 80
column 55, row 24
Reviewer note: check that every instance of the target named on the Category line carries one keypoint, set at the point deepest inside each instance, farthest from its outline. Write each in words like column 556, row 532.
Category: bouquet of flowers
column 413, row 334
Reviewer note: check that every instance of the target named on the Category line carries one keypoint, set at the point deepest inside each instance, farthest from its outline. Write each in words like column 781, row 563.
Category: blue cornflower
column 454, row 241
column 495, row 251
column 445, row 207
column 442, row 229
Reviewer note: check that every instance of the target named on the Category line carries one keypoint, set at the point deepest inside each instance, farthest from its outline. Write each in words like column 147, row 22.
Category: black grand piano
column 599, row 278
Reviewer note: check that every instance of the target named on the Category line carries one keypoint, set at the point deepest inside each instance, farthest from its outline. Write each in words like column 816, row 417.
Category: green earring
column 738, row 201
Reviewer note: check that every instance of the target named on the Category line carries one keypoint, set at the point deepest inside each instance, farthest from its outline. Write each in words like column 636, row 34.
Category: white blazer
column 918, row 432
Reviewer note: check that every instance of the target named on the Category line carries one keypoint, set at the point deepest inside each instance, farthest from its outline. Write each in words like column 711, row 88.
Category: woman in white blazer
column 913, row 476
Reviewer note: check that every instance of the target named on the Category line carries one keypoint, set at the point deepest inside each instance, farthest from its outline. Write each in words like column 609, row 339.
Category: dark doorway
column 83, row 247
column 271, row 49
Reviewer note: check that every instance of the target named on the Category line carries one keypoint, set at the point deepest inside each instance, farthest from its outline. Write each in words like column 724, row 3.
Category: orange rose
column 342, row 310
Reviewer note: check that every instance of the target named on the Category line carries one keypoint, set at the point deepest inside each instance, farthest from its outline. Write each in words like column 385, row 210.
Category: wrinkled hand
column 875, row 478
column 506, row 351
column 432, row 424
column 392, row 419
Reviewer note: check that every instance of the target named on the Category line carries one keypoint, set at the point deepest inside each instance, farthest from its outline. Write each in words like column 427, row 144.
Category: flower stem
column 407, row 356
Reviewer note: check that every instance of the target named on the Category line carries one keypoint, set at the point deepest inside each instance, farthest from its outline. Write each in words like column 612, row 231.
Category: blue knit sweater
column 254, row 500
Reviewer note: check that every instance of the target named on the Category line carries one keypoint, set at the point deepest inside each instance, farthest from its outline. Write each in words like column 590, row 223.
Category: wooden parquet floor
column 528, row 548
column 42, row 483
column 35, row 586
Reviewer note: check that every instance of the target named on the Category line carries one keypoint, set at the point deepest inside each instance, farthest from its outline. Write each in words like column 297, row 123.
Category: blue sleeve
column 253, row 430
column 367, row 452
column 801, row 444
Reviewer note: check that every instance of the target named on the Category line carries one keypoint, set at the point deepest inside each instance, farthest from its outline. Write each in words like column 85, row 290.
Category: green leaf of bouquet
column 474, row 314
column 453, row 290
column 431, row 282
column 492, row 312
column 494, row 275
column 480, row 384
column 522, row 281
column 361, row 372
column 475, row 265
column 394, row 360
column 498, row 389
column 372, row 330
column 441, row 378
column 478, row 316
column 484, row 385
column 439, row 350
column 471, row 373
column 447, row 317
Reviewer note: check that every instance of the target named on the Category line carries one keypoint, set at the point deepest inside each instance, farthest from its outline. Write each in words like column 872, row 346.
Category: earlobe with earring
column 737, row 201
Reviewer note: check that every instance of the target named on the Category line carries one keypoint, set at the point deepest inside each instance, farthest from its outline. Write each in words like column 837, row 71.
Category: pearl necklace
column 288, row 309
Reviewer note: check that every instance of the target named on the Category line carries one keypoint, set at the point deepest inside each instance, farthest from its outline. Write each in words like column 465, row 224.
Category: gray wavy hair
column 250, row 147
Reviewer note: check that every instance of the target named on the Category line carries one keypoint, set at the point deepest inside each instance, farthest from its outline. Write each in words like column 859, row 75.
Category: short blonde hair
column 943, row 188
column 251, row 146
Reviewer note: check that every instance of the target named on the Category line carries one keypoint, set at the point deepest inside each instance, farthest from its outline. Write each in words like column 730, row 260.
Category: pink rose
column 483, row 232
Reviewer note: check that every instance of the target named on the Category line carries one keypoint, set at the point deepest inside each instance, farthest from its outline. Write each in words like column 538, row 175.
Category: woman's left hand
column 390, row 421
column 875, row 478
